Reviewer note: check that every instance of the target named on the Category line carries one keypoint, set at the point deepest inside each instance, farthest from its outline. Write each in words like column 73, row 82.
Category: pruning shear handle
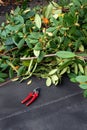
column 31, row 97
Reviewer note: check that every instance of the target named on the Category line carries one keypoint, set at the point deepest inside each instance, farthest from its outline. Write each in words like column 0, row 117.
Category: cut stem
column 34, row 57
column 49, row 55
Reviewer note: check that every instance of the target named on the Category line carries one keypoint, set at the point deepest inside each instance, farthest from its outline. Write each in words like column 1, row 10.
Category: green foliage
column 83, row 81
column 85, row 93
column 47, row 42
column 38, row 21
column 3, row 68
column 64, row 2
column 65, row 54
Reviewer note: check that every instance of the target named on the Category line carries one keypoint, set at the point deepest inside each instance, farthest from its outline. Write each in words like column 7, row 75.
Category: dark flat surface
column 57, row 108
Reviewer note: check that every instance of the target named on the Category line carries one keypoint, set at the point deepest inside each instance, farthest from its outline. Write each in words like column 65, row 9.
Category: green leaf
column 20, row 34
column 26, row 63
column 72, row 75
column 38, row 20
column 3, row 66
column 26, row 11
column 11, row 73
column 34, row 35
column 28, row 14
column 81, row 78
column 21, row 71
column 73, row 80
column 4, row 33
column 81, row 68
column 48, row 81
column 28, row 43
column 86, row 70
column 21, row 43
column 65, row 54
column 36, row 53
column 51, row 29
column 77, row 2
column 9, row 41
column 54, row 78
column 56, row 12
column 52, row 71
column 83, row 86
column 2, row 80
column 16, row 27
column 3, row 75
column 32, row 41
column 85, row 93
column 81, row 48
column 38, row 46
column 17, row 10
column 19, row 19
column 48, row 10
column 63, row 71
column 41, row 56
column 53, row 44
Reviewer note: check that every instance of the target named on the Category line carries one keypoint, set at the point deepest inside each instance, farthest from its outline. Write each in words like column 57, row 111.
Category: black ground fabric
column 57, row 108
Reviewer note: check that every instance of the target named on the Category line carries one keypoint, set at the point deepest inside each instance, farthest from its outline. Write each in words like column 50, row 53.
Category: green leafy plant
column 47, row 42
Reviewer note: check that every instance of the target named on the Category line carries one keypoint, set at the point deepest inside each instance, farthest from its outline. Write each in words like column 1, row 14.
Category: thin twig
column 10, row 50
column 83, row 57
column 34, row 57
column 6, row 82
column 49, row 55
column 13, row 49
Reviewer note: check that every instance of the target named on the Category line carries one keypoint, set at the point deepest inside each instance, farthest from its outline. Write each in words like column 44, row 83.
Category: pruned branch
column 34, row 57
column 49, row 55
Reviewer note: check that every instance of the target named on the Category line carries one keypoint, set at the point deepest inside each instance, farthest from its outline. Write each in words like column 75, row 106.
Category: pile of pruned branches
column 46, row 42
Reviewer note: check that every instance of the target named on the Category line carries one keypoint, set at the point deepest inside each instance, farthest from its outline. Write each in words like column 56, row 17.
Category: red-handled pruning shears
column 31, row 97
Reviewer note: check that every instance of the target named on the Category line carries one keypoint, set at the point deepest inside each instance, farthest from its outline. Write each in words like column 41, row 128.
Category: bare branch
column 30, row 58
column 49, row 55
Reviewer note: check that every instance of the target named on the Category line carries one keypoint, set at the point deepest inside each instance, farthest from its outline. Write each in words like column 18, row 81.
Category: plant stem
column 49, row 55
column 30, row 58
